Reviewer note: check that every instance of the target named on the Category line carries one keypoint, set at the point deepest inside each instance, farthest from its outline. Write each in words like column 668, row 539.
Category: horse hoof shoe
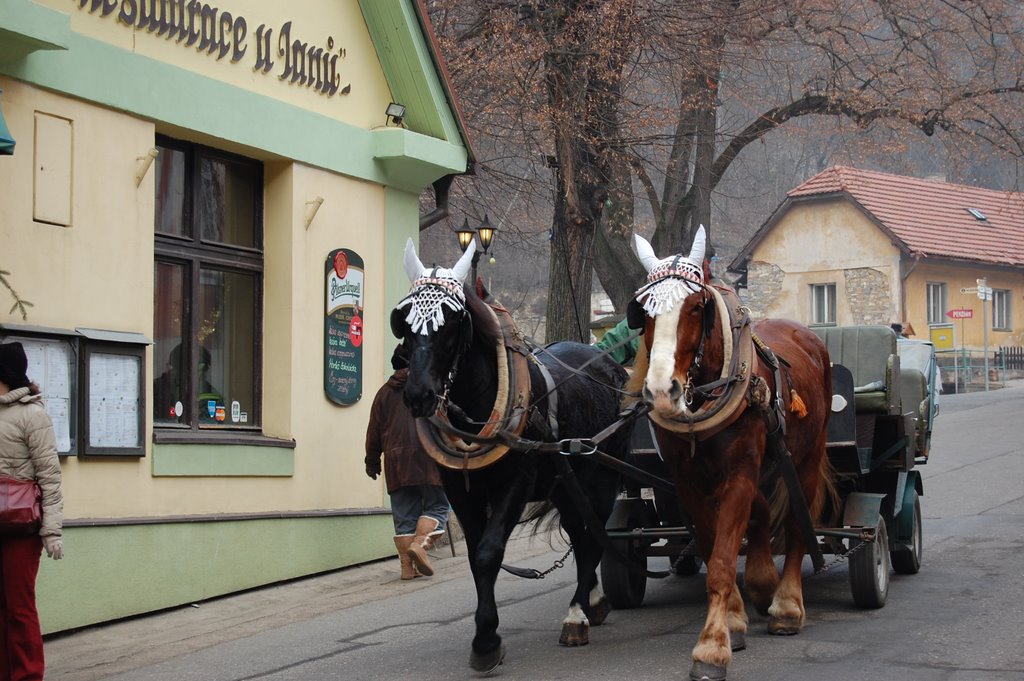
column 784, row 626
column 597, row 614
column 574, row 634
column 487, row 663
column 702, row 671
column 738, row 640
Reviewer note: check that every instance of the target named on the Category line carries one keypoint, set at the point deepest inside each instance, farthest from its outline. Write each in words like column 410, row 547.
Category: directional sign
column 960, row 313
column 969, row 289
column 984, row 293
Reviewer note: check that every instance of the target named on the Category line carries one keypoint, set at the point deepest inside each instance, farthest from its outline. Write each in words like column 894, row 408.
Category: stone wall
column 869, row 296
column 764, row 284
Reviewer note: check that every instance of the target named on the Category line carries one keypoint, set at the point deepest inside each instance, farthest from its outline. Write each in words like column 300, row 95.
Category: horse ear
column 636, row 318
column 413, row 267
column 645, row 252
column 699, row 242
column 465, row 263
column 398, row 323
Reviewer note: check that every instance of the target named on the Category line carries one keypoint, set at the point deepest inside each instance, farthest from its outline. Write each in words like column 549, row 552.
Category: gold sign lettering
column 217, row 33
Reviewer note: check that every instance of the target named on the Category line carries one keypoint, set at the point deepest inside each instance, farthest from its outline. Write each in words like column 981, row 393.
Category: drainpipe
column 903, row 287
column 442, row 188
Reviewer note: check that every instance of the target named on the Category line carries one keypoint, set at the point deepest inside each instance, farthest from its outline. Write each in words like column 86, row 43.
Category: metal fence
column 965, row 370
column 1011, row 357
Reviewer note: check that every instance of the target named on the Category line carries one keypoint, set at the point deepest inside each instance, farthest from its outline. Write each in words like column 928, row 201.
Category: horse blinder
column 636, row 318
column 398, row 325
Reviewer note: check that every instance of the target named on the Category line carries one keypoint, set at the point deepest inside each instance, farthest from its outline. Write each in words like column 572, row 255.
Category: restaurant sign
column 343, row 327
column 219, row 34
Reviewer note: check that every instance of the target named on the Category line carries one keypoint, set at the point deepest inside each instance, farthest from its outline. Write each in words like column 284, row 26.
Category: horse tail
column 636, row 378
column 826, row 501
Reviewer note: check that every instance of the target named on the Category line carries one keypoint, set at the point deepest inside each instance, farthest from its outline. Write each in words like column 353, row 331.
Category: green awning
column 6, row 141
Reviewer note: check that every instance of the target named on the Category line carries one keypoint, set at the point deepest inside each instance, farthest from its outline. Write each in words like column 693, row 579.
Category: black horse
column 451, row 336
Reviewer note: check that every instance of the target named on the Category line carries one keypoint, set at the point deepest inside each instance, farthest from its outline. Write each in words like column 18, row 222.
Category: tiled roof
column 932, row 218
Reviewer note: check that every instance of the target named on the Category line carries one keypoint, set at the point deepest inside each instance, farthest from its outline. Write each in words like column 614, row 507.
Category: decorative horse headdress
column 433, row 289
column 671, row 279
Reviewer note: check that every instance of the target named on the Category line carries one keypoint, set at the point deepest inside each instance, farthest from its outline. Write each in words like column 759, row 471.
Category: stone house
column 852, row 246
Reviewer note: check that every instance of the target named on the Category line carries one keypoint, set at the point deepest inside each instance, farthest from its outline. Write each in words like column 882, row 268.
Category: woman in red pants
column 27, row 452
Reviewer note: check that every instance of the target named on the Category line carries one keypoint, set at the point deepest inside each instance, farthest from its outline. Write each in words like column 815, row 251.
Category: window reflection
column 227, row 330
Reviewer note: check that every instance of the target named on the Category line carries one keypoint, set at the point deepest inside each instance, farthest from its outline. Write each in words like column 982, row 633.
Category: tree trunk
column 615, row 263
column 570, row 274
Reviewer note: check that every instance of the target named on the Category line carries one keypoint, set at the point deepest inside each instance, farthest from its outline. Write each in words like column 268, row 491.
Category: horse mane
column 485, row 329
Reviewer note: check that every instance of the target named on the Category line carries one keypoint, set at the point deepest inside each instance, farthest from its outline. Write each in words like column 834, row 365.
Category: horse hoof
column 784, row 626
column 703, row 671
column 487, row 663
column 597, row 614
column 738, row 640
column 574, row 634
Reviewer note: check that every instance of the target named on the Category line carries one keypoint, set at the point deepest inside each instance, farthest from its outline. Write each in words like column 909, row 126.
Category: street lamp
column 486, row 234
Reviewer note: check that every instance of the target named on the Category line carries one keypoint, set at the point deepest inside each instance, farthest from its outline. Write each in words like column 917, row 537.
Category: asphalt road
column 961, row 618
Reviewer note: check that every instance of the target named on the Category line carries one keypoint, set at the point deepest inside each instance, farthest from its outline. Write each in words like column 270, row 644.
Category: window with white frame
column 1001, row 310
column 208, row 288
column 938, row 302
column 823, row 304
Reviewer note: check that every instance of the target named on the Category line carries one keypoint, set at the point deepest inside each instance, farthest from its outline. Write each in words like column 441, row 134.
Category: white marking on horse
column 576, row 615
column 663, row 362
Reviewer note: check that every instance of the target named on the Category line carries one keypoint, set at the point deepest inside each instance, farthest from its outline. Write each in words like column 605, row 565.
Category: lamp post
column 486, row 235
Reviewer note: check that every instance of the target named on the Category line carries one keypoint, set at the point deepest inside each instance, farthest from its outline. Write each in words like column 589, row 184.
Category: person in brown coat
column 419, row 506
column 28, row 451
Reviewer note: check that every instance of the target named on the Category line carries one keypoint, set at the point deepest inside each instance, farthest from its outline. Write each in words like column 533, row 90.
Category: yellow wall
column 313, row 22
column 814, row 244
column 968, row 333
column 98, row 273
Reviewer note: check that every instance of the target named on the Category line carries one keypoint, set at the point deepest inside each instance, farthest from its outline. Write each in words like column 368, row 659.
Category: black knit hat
column 13, row 365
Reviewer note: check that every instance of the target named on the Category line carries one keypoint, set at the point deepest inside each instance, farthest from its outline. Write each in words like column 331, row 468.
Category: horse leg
column 588, row 604
column 488, row 651
column 713, row 652
column 760, row 576
column 787, row 608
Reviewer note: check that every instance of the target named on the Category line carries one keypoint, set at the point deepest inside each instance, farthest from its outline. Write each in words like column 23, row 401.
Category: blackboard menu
column 343, row 327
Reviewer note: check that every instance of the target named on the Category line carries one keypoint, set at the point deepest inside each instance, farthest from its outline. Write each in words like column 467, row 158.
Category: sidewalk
column 105, row 650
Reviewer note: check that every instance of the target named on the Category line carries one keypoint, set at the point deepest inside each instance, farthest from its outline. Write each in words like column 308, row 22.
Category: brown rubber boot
column 426, row 531
column 402, row 543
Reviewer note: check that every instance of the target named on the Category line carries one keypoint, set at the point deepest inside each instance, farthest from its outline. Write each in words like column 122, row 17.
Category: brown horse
column 723, row 405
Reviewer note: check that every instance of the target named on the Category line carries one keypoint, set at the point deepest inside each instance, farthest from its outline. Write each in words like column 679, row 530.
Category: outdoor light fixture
column 486, row 233
column 465, row 234
column 395, row 113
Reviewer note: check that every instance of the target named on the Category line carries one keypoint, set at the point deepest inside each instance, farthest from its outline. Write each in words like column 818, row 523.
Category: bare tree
column 666, row 96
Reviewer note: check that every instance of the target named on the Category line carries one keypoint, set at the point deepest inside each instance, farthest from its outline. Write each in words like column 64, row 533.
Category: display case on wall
column 93, row 386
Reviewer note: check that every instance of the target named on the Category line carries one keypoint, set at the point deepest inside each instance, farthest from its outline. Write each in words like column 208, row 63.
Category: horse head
column 435, row 326
column 676, row 311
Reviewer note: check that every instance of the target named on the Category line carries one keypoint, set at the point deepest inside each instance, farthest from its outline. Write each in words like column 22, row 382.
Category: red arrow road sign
column 960, row 313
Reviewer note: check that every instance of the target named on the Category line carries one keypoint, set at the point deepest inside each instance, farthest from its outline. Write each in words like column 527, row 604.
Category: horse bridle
column 707, row 322
column 460, row 348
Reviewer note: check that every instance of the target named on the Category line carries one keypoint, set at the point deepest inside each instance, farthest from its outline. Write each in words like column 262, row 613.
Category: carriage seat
column 916, row 402
column 869, row 352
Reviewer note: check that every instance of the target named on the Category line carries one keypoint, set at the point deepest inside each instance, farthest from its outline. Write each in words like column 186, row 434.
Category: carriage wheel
column 687, row 565
column 869, row 569
column 906, row 560
column 625, row 588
